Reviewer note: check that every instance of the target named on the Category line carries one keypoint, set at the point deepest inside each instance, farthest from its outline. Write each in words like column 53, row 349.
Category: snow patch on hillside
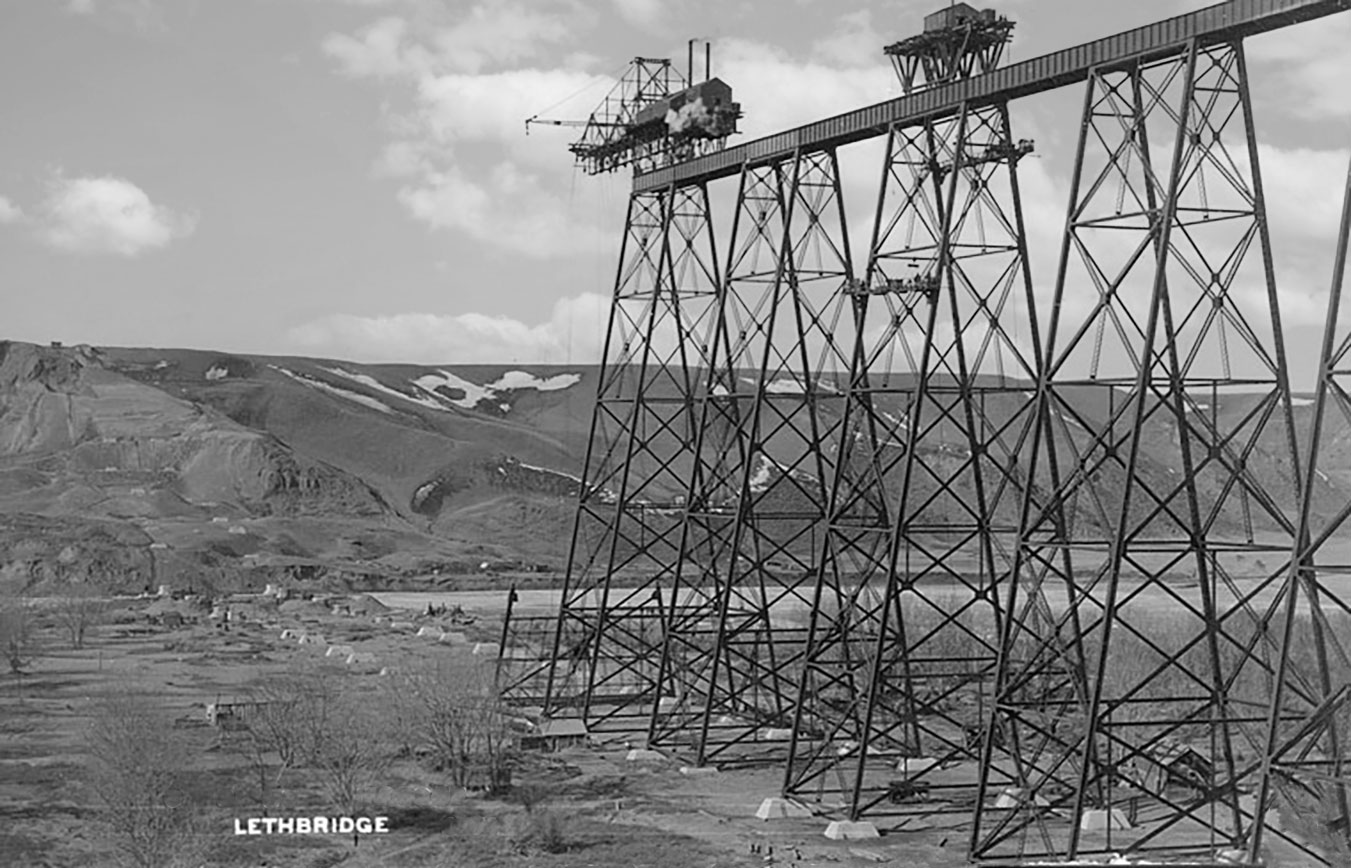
column 372, row 383
column 769, row 470
column 1072, row 421
column 431, row 389
column 897, row 423
column 760, row 480
column 511, row 381
column 523, row 380
column 788, row 385
column 785, row 387
column 549, row 470
column 364, row 400
column 473, row 393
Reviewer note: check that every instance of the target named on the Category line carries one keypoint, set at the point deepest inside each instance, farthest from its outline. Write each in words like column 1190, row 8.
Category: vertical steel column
column 924, row 513
column 1129, row 699
column 622, row 563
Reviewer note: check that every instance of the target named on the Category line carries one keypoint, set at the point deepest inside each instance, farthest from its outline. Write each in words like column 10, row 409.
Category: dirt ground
column 611, row 812
column 606, row 810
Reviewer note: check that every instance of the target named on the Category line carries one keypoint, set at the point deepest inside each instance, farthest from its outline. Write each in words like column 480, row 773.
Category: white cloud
column 404, row 159
column 488, row 34
column 778, row 91
column 1313, row 64
column 574, row 333
column 147, row 16
column 1303, row 189
column 459, row 152
column 493, row 107
column 498, row 33
column 517, row 203
column 9, row 212
column 643, row 14
column 855, row 42
column 457, row 100
column 505, row 208
column 378, row 51
column 108, row 215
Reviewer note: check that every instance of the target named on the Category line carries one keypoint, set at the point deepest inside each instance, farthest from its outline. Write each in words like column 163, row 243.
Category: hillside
column 191, row 467
column 210, row 464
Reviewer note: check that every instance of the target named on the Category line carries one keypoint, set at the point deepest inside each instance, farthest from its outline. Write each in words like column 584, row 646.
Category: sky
column 353, row 179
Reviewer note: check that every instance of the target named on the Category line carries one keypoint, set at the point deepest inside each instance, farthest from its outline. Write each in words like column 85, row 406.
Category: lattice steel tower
column 899, row 667
column 1135, row 719
column 599, row 656
column 770, row 425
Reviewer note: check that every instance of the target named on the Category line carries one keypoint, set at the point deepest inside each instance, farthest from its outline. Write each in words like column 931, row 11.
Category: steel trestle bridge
column 1056, row 578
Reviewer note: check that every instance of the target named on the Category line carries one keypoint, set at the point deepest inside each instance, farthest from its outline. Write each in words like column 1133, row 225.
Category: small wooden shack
column 554, row 735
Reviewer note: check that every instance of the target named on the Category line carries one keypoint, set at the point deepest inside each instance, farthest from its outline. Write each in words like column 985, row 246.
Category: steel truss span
column 1223, row 22
column 1062, row 578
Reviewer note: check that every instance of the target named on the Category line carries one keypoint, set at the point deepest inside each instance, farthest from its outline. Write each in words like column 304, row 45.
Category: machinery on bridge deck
column 958, row 41
column 655, row 117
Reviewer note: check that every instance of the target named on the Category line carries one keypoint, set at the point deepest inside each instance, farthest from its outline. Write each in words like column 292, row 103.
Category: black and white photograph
column 675, row 433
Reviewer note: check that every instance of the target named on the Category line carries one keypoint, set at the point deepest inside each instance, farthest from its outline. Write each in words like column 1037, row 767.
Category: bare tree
column 78, row 612
column 457, row 715
column 18, row 636
column 137, row 761
column 350, row 752
column 292, row 714
column 402, row 717
column 311, row 718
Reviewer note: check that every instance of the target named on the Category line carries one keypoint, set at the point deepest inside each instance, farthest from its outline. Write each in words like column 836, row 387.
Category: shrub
column 79, row 612
column 455, row 713
column 136, row 764
column 18, row 638
column 293, row 709
column 350, row 753
column 539, row 831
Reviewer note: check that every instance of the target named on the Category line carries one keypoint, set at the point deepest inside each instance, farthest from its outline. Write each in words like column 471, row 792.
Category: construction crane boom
column 554, row 122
